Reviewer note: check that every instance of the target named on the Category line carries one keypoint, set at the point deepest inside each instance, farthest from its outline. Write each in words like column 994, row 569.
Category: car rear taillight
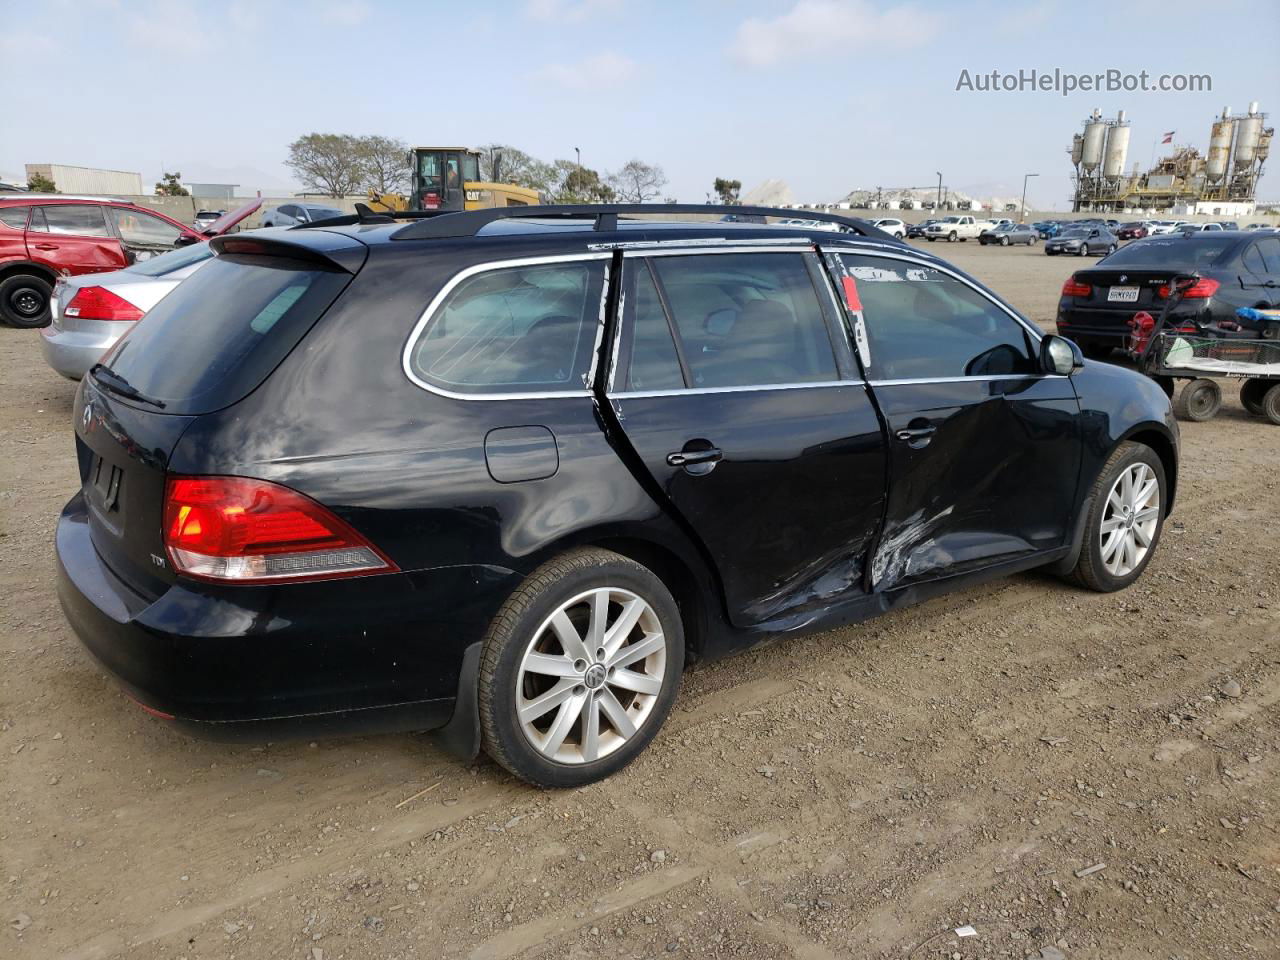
column 239, row 530
column 1076, row 288
column 1202, row 289
column 99, row 303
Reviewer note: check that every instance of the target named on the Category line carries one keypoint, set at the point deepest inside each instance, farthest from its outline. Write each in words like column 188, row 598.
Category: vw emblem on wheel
column 595, row 676
column 86, row 418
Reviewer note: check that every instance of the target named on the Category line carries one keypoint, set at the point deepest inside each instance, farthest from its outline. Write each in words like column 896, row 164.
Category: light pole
column 938, row 205
column 1022, row 217
column 578, row 151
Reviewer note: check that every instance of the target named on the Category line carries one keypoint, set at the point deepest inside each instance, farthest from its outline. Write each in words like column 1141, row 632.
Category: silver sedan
column 92, row 311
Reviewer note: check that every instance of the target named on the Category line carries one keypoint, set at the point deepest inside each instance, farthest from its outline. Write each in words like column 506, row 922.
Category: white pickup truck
column 957, row 228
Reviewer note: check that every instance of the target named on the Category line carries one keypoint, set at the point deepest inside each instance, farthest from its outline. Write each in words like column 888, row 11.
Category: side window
column 142, row 228
column 79, row 220
column 747, row 319
column 289, row 210
column 514, row 329
column 15, row 217
column 923, row 324
column 652, row 362
column 1252, row 259
column 1270, row 250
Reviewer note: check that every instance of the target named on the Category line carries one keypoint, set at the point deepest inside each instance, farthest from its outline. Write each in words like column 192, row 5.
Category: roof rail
column 470, row 222
column 365, row 214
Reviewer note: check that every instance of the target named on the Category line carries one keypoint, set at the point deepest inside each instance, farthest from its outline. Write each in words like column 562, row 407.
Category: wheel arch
column 16, row 267
column 1157, row 438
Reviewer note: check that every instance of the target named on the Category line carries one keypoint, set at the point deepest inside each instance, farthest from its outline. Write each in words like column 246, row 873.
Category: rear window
column 1200, row 250
column 222, row 330
column 518, row 329
column 15, row 217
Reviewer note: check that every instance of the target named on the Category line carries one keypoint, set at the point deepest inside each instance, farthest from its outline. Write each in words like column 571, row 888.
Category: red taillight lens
column 234, row 529
column 1202, row 289
column 99, row 303
column 1076, row 288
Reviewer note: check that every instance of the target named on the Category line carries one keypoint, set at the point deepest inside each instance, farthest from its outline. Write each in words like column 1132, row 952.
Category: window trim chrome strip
column 739, row 246
column 907, row 381
column 419, row 328
column 748, row 388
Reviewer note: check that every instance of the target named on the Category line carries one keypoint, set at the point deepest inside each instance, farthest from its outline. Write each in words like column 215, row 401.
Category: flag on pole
column 1168, row 137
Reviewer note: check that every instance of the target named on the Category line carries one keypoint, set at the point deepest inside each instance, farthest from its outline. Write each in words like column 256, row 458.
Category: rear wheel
column 1198, row 401
column 1271, row 404
column 580, row 669
column 24, row 300
column 1125, row 519
column 1251, row 394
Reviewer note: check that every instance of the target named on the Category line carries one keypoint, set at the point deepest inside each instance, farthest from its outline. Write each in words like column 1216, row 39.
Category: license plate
column 1123, row 295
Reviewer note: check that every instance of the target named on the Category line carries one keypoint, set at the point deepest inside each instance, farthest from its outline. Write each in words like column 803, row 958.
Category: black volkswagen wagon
column 505, row 473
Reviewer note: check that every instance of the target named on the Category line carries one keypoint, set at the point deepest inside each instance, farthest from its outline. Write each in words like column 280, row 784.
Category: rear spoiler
column 332, row 250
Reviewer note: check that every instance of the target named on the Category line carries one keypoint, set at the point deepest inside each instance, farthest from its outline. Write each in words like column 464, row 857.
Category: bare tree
column 638, row 182
column 385, row 162
column 329, row 162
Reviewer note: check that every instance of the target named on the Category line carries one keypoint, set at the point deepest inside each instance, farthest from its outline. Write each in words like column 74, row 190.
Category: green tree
column 638, row 182
column 39, row 183
column 331, row 163
column 575, row 184
column 170, row 187
column 384, row 162
column 727, row 190
column 503, row 163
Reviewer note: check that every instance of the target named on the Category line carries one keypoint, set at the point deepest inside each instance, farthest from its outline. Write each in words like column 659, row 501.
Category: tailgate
column 123, row 452
column 1124, row 288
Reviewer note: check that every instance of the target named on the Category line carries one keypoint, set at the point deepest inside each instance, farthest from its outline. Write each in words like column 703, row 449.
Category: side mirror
column 1059, row 355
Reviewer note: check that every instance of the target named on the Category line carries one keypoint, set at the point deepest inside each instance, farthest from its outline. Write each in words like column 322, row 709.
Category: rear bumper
column 1111, row 324
column 366, row 654
column 71, row 353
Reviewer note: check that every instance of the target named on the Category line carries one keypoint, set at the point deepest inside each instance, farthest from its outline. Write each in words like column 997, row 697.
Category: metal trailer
column 1167, row 353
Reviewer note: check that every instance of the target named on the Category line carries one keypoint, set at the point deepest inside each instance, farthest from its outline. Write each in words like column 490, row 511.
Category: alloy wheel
column 1129, row 520
column 589, row 678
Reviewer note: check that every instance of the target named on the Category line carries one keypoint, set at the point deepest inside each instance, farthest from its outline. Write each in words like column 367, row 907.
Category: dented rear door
column 984, row 450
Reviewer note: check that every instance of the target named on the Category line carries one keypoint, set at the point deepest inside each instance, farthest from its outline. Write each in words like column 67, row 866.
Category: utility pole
column 938, row 205
column 1022, row 217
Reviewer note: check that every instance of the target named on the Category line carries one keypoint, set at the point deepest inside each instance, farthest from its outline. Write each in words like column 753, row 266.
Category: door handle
column 915, row 434
column 687, row 458
column 46, row 246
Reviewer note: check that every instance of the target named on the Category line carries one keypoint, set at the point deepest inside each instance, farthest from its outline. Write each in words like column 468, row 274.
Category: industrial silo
column 1248, row 132
column 1095, row 130
column 1117, row 148
column 1077, row 149
column 1215, row 166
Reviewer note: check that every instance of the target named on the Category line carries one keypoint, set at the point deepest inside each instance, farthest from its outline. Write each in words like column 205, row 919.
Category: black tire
column 931, row 239
column 1251, row 394
column 1166, row 384
column 24, row 301
column 516, row 627
column 1004, row 241
column 1199, row 400
column 1271, row 404
column 951, row 237
column 1091, row 572
column 1111, row 249
column 1083, row 251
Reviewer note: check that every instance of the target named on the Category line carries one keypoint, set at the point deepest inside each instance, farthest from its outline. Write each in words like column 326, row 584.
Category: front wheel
column 24, row 301
column 1084, row 250
column 1198, row 401
column 1125, row 519
column 580, row 668
column 1111, row 249
column 951, row 237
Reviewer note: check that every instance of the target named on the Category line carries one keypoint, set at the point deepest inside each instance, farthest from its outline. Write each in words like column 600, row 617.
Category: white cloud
column 602, row 70
column 345, row 13
column 817, row 27
column 568, row 10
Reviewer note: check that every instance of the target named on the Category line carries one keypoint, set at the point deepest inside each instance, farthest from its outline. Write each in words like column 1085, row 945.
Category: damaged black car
column 504, row 473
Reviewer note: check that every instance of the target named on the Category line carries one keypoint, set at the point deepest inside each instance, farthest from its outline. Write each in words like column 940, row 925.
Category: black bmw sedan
column 504, row 473
column 1223, row 271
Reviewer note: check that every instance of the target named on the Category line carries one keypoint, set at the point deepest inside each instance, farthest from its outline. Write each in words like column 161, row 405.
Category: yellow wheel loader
column 448, row 178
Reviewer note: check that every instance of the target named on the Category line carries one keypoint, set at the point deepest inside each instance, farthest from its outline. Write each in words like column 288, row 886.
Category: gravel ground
column 1073, row 775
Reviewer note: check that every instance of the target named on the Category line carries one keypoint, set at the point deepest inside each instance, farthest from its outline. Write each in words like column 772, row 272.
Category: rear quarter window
column 223, row 330
column 513, row 329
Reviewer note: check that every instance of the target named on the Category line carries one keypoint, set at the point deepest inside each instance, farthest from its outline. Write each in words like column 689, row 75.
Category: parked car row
column 47, row 236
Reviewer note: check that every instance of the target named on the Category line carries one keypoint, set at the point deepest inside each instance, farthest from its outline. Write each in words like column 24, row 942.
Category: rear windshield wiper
column 119, row 385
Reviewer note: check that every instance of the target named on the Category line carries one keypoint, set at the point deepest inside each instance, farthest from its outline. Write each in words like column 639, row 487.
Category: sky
column 827, row 95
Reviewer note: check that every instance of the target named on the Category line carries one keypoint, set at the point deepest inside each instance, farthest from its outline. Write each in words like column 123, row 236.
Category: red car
column 1134, row 230
column 44, row 236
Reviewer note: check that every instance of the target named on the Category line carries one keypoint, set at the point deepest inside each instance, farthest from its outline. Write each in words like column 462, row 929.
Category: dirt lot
column 855, row 794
